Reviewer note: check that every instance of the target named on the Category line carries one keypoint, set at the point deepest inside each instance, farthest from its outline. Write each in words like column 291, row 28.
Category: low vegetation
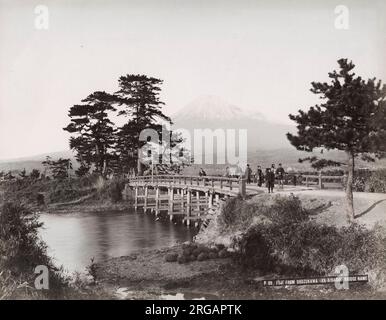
column 376, row 182
column 197, row 252
column 38, row 193
column 279, row 233
column 21, row 251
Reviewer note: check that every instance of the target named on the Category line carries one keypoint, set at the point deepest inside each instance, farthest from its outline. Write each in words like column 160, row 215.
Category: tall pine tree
column 94, row 133
column 138, row 95
column 351, row 118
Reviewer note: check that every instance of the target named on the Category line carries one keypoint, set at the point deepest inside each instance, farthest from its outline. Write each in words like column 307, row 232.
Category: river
column 73, row 239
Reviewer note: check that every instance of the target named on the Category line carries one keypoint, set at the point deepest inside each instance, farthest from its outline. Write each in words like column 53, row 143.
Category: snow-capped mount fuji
column 210, row 112
column 213, row 108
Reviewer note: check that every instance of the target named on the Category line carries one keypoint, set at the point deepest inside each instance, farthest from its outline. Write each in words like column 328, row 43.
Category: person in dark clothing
column 259, row 176
column 294, row 180
column 248, row 174
column 280, row 176
column 270, row 179
column 202, row 173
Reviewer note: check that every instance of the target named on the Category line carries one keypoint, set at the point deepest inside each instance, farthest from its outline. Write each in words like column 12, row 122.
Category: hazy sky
column 259, row 55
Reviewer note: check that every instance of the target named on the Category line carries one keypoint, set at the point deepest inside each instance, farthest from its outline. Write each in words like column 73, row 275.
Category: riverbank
column 89, row 207
column 146, row 275
column 274, row 237
column 71, row 195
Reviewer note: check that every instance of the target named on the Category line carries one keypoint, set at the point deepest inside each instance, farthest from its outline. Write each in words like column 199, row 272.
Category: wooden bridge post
column 145, row 199
column 344, row 181
column 320, row 180
column 136, row 198
column 210, row 200
column 242, row 186
column 171, row 203
column 181, row 193
column 188, row 206
column 156, row 200
column 198, row 202
column 217, row 199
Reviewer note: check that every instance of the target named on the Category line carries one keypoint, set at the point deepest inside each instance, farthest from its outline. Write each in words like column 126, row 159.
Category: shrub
column 292, row 242
column 370, row 181
column 377, row 181
column 111, row 190
column 92, row 271
column 115, row 190
column 239, row 214
column 228, row 216
column 21, row 251
column 171, row 257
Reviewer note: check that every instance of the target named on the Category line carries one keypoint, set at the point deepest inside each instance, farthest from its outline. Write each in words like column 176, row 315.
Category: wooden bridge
column 190, row 198
column 196, row 198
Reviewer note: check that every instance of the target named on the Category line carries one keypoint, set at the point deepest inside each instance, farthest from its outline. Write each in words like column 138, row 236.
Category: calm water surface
column 73, row 239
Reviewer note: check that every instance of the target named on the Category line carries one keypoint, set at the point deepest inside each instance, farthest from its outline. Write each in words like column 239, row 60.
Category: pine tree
column 94, row 132
column 35, row 174
column 351, row 118
column 138, row 95
column 59, row 169
column 23, row 174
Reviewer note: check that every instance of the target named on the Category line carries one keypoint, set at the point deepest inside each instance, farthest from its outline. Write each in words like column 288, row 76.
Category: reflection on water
column 74, row 239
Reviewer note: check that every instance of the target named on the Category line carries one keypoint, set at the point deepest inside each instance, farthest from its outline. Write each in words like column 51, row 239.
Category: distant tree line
column 9, row 176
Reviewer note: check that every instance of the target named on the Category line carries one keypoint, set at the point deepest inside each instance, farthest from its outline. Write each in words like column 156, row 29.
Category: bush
column 115, row 190
column 239, row 214
column 377, row 181
column 111, row 190
column 228, row 216
column 21, row 251
column 288, row 240
column 370, row 181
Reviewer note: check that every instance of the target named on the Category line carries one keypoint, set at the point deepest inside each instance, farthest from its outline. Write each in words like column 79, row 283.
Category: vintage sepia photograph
column 194, row 150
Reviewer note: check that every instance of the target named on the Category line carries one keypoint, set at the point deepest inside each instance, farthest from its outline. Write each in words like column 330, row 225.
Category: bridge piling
column 171, row 203
column 157, row 200
column 136, row 199
column 188, row 206
column 145, row 198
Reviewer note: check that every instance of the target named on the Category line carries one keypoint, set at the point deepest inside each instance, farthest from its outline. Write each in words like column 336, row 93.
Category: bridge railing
column 320, row 180
column 203, row 181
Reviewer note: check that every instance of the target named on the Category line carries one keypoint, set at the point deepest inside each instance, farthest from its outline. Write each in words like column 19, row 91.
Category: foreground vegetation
column 281, row 234
column 266, row 237
column 21, row 251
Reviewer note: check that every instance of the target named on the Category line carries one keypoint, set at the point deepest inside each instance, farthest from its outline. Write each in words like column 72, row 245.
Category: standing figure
column 270, row 179
column 294, row 180
column 259, row 176
column 248, row 174
column 280, row 176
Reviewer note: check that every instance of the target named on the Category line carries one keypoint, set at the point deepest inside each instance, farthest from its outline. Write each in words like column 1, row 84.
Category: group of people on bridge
column 268, row 177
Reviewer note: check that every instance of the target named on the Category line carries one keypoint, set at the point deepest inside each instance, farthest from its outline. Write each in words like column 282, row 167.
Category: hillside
column 34, row 162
